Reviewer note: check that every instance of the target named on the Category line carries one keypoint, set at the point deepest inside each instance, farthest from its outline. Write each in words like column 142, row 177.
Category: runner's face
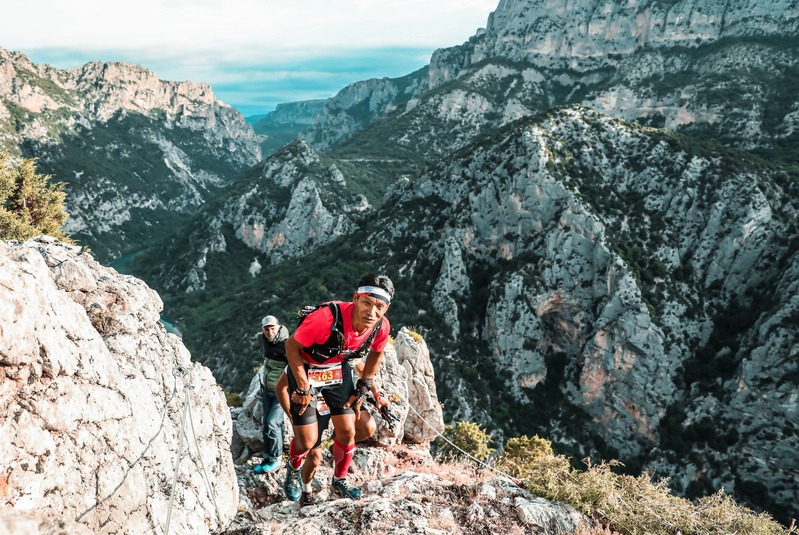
column 270, row 331
column 368, row 311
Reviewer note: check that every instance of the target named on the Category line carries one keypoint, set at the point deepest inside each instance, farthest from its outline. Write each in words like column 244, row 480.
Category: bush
column 464, row 439
column 233, row 399
column 29, row 204
column 629, row 505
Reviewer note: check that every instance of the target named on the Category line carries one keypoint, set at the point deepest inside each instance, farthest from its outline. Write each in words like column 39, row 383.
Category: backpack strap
column 364, row 349
column 334, row 345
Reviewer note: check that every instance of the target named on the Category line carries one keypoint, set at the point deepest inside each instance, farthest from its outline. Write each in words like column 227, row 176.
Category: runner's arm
column 298, row 370
column 296, row 364
column 370, row 367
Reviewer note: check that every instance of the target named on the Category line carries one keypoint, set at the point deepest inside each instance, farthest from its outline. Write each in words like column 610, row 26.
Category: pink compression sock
column 342, row 456
column 295, row 459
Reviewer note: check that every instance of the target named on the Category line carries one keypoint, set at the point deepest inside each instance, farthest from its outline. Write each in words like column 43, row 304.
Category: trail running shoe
column 307, row 498
column 291, row 486
column 266, row 467
column 343, row 488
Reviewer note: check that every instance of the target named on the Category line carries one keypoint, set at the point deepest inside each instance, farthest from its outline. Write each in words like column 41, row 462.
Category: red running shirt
column 316, row 329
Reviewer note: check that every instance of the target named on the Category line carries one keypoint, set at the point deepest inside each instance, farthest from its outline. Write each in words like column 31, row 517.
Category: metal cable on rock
column 186, row 409
column 206, row 479
column 515, row 480
column 139, row 458
column 179, row 371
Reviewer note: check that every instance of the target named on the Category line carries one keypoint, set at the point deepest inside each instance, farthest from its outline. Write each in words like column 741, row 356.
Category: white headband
column 375, row 291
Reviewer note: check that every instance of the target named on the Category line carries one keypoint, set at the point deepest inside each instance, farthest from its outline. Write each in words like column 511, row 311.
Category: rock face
column 547, row 30
column 137, row 153
column 641, row 286
column 95, row 396
column 425, row 419
column 360, row 104
column 294, row 113
column 406, row 377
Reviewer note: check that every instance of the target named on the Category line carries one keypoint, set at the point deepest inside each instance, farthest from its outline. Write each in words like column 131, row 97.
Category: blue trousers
column 273, row 426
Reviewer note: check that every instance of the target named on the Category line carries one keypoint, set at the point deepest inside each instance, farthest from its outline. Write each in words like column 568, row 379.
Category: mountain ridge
column 137, row 154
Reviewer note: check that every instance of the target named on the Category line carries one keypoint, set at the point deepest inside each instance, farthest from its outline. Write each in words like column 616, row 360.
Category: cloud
column 254, row 53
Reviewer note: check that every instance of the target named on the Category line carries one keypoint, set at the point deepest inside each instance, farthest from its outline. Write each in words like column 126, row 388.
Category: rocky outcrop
column 425, row 421
column 107, row 425
column 287, row 206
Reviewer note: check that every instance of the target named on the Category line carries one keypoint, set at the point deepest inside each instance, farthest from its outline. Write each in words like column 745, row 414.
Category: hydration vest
column 334, row 345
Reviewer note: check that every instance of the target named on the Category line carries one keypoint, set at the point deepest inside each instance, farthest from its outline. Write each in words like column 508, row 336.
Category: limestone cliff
column 714, row 69
column 101, row 407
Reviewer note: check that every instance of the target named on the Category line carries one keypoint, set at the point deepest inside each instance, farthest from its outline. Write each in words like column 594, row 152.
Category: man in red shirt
column 316, row 353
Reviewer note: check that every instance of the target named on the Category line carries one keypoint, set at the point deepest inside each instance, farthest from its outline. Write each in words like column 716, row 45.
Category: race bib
column 321, row 405
column 324, row 376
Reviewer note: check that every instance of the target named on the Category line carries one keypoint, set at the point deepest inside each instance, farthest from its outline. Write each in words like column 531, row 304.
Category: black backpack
column 334, row 345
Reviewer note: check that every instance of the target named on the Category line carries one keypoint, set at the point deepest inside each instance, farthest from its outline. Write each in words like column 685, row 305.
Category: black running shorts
column 334, row 395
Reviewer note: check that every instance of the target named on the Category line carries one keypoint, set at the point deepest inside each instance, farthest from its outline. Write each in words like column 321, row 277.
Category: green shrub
column 233, row 399
column 29, row 204
column 464, row 439
column 629, row 505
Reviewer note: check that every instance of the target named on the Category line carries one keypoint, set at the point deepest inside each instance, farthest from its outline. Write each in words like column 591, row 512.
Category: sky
column 254, row 54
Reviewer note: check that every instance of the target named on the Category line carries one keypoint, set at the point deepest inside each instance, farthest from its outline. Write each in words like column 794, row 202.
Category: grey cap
column 269, row 320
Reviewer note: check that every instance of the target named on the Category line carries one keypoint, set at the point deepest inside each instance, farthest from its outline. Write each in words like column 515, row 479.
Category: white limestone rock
column 92, row 406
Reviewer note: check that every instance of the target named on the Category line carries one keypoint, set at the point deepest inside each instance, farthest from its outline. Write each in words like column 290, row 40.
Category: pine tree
column 30, row 204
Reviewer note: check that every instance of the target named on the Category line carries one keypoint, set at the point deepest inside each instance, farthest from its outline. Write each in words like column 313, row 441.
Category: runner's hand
column 355, row 402
column 302, row 401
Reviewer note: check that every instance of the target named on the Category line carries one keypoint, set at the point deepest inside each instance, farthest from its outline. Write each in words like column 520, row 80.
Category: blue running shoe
column 266, row 467
column 291, row 486
column 343, row 488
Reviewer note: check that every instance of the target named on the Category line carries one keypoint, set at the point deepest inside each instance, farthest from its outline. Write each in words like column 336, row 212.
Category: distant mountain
column 280, row 127
column 708, row 68
column 252, row 119
column 138, row 154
